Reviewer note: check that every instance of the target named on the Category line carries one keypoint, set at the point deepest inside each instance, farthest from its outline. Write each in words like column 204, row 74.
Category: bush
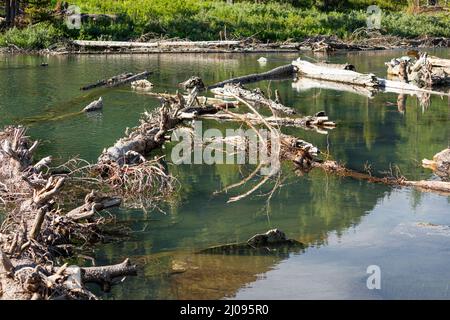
column 38, row 36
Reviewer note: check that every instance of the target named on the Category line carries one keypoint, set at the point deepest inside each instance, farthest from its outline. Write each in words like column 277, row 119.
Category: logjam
column 425, row 71
column 36, row 233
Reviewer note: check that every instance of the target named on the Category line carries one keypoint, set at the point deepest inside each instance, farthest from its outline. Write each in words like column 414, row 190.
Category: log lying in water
column 282, row 72
column 153, row 128
column 319, row 72
column 118, row 80
column 256, row 96
column 309, row 122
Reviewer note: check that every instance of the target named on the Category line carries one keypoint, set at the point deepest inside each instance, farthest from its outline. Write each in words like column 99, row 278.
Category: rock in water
column 262, row 60
column 273, row 236
column 94, row 106
column 440, row 163
column 141, row 85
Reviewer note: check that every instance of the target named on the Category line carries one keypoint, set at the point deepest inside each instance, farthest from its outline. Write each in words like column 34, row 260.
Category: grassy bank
column 204, row 20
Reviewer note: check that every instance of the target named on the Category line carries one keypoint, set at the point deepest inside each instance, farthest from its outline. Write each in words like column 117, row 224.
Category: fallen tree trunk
column 310, row 70
column 104, row 276
column 308, row 122
column 321, row 72
column 335, row 168
column 255, row 96
column 277, row 73
column 118, row 80
column 156, row 44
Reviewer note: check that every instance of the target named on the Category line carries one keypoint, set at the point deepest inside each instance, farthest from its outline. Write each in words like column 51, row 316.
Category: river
column 347, row 226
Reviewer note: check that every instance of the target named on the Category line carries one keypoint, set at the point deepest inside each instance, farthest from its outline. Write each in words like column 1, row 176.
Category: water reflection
column 332, row 216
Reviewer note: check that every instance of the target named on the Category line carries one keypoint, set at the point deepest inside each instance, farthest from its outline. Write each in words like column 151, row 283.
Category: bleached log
column 302, row 122
column 321, row 72
column 305, row 84
column 256, row 96
column 157, row 44
column 310, row 70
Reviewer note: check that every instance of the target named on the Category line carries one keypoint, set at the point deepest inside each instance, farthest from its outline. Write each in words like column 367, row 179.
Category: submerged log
column 118, row 80
column 273, row 241
column 313, row 71
column 105, row 276
column 305, row 84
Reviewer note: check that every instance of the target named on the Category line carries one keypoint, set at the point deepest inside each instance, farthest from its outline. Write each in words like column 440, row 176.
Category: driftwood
column 319, row 72
column 440, row 164
column 93, row 203
column 282, row 72
column 156, row 44
column 37, row 233
column 118, row 80
column 105, row 276
column 426, row 71
column 255, row 96
column 309, row 122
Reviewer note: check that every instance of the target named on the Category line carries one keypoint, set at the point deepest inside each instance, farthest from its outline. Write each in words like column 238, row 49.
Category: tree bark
column 8, row 12
column 105, row 276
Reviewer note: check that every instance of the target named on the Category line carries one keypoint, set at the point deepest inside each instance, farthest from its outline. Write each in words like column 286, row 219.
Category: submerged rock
column 273, row 241
column 271, row 237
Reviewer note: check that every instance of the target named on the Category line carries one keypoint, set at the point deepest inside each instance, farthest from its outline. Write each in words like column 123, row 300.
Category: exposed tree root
column 36, row 233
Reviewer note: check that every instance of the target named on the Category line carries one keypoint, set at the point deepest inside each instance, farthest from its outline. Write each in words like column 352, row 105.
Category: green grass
column 272, row 21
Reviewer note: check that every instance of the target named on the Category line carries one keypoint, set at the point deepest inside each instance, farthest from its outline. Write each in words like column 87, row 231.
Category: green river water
column 347, row 225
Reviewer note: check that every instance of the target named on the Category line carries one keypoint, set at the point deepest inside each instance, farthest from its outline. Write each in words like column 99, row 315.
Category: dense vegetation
column 206, row 20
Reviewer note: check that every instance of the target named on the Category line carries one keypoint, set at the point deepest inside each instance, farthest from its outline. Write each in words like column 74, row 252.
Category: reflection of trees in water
column 307, row 209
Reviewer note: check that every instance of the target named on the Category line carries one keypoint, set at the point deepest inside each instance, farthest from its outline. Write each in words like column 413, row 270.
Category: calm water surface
column 347, row 225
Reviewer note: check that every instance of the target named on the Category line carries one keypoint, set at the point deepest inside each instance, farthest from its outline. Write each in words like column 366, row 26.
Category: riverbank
column 265, row 23
column 317, row 44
